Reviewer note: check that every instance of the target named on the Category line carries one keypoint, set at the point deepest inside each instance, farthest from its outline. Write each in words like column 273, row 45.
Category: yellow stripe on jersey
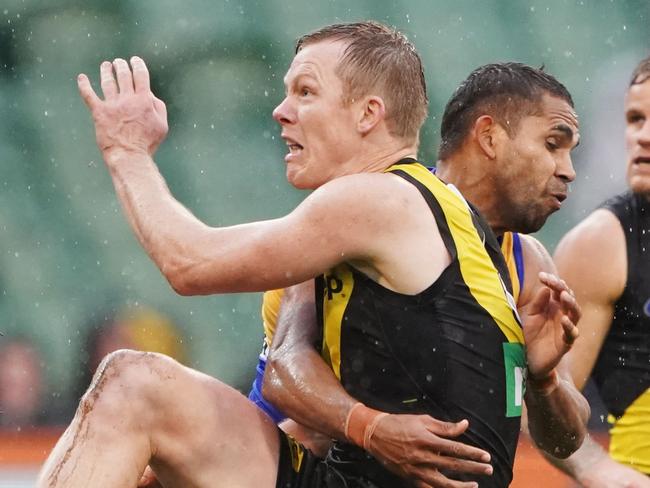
column 477, row 269
column 341, row 280
column 630, row 435
column 270, row 309
column 508, row 250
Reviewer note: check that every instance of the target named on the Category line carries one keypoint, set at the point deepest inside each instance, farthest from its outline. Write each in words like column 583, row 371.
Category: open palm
column 550, row 326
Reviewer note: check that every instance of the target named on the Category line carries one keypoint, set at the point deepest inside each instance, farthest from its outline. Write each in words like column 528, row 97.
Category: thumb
column 446, row 429
column 540, row 302
column 159, row 106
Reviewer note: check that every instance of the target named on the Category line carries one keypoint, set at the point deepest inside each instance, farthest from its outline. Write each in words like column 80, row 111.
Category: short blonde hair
column 379, row 58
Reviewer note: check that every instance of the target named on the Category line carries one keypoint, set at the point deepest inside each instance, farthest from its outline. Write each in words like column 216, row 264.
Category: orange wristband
column 545, row 386
column 361, row 423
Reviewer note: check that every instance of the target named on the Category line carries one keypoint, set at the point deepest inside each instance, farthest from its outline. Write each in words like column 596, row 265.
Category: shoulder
column 620, row 204
column 535, row 255
column 535, row 259
column 593, row 255
column 599, row 235
column 373, row 195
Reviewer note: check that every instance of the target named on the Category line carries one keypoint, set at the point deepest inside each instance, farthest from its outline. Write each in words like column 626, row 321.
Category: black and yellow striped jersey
column 454, row 351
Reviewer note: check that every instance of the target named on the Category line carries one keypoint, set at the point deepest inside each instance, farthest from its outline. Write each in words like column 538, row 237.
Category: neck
column 374, row 159
column 470, row 175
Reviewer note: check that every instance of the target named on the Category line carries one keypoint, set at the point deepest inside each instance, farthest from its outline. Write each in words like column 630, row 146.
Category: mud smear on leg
column 105, row 371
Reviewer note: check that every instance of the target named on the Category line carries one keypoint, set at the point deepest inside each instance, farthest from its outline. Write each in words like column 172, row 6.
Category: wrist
column 116, row 155
column 361, row 423
column 543, row 385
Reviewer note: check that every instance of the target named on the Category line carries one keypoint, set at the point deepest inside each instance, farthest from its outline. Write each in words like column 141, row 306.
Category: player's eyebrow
column 567, row 133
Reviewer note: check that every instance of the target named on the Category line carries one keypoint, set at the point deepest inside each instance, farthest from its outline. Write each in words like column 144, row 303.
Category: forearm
column 196, row 259
column 161, row 224
column 557, row 416
column 299, row 383
column 582, row 461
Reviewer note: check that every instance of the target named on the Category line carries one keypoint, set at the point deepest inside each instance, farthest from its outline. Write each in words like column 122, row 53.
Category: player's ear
column 372, row 112
column 485, row 132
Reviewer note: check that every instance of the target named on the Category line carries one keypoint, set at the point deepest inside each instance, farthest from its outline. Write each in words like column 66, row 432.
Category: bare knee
column 126, row 382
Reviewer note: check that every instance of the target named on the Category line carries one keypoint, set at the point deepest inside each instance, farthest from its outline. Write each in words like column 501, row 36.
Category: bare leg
column 146, row 408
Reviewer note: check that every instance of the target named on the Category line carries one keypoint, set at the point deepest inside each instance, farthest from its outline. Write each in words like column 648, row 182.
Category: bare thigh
column 204, row 433
column 214, row 436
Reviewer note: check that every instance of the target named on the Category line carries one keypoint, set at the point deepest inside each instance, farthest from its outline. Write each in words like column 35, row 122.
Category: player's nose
column 284, row 113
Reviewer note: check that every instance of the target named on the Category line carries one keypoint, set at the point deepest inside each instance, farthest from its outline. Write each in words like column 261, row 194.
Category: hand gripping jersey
column 622, row 371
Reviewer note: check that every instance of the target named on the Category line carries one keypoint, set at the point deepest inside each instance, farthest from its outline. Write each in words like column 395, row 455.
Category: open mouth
column 294, row 148
column 642, row 160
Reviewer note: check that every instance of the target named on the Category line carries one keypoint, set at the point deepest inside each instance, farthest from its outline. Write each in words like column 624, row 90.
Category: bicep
column 596, row 270
column 275, row 253
column 297, row 324
column 594, row 326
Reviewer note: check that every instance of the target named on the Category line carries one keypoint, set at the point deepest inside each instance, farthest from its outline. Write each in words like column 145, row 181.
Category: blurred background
column 74, row 282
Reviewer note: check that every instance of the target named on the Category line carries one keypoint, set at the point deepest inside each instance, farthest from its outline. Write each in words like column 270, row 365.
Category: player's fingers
column 458, row 450
column 430, row 476
column 445, row 429
column 141, row 80
column 553, row 281
column 86, row 91
column 540, row 301
column 123, row 74
column 107, row 80
column 570, row 305
column 571, row 332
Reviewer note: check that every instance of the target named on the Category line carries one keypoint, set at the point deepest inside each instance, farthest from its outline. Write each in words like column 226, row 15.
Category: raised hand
column 130, row 118
column 418, row 446
column 550, row 328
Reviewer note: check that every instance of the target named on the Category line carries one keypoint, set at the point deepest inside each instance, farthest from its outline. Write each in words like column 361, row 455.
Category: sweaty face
column 534, row 168
column 320, row 132
column 637, row 137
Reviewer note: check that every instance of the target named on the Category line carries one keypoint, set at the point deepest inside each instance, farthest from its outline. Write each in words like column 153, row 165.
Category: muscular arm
column 596, row 269
column 597, row 287
column 197, row 259
column 298, row 381
column 557, row 412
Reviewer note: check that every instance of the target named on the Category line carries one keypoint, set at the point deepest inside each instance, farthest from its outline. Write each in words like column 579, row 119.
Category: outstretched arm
column 298, row 381
column 131, row 122
column 557, row 412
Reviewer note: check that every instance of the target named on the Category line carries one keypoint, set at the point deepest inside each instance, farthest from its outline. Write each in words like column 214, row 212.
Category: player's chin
column 640, row 184
column 299, row 178
column 535, row 222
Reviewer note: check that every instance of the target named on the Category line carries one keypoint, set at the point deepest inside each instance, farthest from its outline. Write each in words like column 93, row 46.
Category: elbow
column 178, row 280
column 571, row 444
column 272, row 382
column 561, row 441
column 564, row 452
column 178, row 272
column 180, row 284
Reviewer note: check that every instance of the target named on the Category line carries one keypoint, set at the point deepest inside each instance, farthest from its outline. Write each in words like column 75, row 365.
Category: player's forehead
column 558, row 110
column 555, row 115
column 638, row 96
column 317, row 60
